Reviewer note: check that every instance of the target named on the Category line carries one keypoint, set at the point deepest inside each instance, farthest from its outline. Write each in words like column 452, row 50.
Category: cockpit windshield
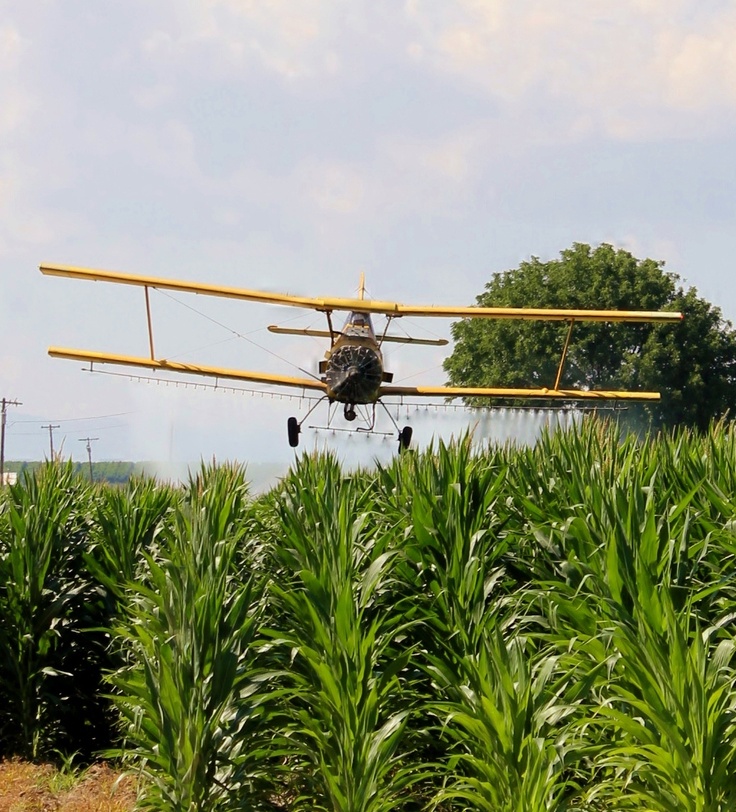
column 358, row 324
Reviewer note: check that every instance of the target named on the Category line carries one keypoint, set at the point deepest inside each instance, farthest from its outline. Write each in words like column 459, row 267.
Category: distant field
column 261, row 475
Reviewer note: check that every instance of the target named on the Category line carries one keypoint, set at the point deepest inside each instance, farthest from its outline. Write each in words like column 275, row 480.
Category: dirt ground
column 28, row 787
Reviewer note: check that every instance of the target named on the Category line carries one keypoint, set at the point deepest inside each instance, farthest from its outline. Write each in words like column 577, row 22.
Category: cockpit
column 358, row 325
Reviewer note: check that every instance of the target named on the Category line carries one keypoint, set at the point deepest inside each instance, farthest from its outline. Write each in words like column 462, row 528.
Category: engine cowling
column 354, row 373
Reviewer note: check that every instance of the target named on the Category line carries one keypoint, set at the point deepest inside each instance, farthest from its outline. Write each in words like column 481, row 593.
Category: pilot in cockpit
column 358, row 324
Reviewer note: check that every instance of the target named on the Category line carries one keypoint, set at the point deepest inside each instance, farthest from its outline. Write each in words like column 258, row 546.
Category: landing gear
column 294, row 430
column 294, row 426
column 404, row 434
column 351, row 413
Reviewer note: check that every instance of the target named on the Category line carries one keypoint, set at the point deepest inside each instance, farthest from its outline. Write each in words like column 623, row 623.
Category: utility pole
column 3, row 419
column 89, row 440
column 51, row 437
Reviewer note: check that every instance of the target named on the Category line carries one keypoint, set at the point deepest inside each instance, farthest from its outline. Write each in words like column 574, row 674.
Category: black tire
column 405, row 438
column 294, row 430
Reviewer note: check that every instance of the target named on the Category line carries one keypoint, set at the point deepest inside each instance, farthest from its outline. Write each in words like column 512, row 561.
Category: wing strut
column 150, row 323
column 564, row 355
column 385, row 330
column 328, row 314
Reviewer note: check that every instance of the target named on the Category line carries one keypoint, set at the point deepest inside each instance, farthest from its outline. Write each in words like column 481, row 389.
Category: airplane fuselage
column 353, row 367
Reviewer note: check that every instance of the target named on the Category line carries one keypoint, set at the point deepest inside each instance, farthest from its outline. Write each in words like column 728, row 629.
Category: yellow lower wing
column 190, row 369
column 313, row 384
column 480, row 392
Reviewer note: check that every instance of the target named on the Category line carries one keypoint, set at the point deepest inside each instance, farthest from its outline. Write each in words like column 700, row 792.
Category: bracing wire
column 237, row 334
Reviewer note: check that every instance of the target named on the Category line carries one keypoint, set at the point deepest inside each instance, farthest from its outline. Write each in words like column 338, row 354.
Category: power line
column 5, row 404
column 78, row 419
column 35, row 433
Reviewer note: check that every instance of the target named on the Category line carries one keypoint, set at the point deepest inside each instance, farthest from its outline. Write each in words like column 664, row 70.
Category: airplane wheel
column 294, row 431
column 405, row 438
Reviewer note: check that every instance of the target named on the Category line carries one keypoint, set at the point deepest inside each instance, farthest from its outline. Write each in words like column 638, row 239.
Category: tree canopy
column 693, row 363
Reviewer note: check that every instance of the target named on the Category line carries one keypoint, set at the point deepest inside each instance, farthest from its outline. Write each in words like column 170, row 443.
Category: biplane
column 352, row 372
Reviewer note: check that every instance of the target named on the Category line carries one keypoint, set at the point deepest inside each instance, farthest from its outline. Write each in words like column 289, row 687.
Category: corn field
column 507, row 630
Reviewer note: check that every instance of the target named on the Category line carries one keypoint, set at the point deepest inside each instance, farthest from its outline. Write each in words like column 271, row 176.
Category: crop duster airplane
column 352, row 372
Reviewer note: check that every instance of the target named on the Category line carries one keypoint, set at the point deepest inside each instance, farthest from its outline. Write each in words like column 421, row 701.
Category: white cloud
column 654, row 247
column 15, row 101
column 583, row 66
column 702, row 69
column 292, row 40
column 153, row 96
column 405, row 176
column 332, row 187
column 623, row 67
column 23, row 173
column 421, row 173
column 15, row 110
column 12, row 45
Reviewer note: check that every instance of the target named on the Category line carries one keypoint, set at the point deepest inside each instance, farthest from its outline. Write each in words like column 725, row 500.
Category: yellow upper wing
column 362, row 305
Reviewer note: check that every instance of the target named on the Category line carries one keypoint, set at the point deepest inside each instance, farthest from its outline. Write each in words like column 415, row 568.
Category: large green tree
column 692, row 363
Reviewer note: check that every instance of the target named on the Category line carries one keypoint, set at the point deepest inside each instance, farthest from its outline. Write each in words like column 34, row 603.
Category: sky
column 289, row 146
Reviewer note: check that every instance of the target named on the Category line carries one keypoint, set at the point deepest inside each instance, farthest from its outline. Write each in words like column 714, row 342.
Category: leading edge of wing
column 189, row 369
column 537, row 394
column 394, row 309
